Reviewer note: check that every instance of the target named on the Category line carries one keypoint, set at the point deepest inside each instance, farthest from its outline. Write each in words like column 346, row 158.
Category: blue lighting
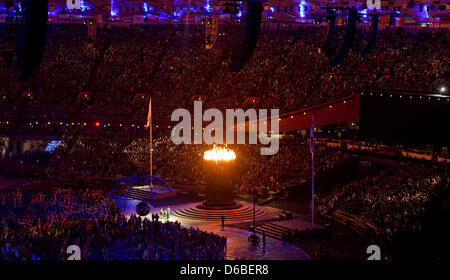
column 272, row 9
column 240, row 11
column 364, row 13
column 113, row 13
column 302, row 9
column 56, row 10
column 51, row 147
column 425, row 12
column 147, row 7
column 208, row 6
column 153, row 183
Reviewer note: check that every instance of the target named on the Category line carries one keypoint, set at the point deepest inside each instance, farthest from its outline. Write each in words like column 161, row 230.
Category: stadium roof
column 170, row 3
column 218, row 5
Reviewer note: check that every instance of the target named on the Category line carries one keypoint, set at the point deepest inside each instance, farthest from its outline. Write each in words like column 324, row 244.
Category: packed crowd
column 3, row 146
column 107, row 154
column 395, row 199
column 38, row 226
column 121, row 155
column 171, row 62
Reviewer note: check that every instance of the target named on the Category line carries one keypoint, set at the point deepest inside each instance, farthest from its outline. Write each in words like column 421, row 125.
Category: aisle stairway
column 143, row 194
column 273, row 230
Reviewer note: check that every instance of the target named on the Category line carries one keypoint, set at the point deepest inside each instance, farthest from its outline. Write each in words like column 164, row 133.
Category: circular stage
column 226, row 206
column 238, row 214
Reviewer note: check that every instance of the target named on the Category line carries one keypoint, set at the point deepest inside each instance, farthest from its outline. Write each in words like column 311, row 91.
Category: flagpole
column 150, row 125
column 312, row 159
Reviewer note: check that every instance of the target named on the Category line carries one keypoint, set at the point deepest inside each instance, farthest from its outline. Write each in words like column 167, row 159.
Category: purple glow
column 113, row 13
column 302, row 8
column 240, row 11
column 208, row 6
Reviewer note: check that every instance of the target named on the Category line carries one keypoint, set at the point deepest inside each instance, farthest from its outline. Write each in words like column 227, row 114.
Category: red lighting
column 97, row 124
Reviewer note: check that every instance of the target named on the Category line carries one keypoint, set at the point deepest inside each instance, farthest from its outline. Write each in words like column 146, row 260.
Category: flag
column 149, row 116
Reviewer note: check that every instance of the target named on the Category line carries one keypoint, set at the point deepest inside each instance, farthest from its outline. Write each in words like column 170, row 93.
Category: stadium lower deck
column 238, row 246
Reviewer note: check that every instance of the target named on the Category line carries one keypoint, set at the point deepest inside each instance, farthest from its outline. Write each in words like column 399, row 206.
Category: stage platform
column 238, row 214
column 238, row 246
column 144, row 193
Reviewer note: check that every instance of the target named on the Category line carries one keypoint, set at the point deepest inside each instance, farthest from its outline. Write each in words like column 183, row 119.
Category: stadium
column 224, row 130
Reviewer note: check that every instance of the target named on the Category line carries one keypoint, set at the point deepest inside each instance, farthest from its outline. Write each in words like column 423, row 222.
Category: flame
column 219, row 154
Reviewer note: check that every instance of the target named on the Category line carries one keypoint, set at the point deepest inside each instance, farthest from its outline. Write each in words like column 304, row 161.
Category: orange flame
column 219, row 154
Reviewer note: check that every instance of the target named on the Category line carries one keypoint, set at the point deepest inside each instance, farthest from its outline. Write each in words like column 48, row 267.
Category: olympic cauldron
column 219, row 165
